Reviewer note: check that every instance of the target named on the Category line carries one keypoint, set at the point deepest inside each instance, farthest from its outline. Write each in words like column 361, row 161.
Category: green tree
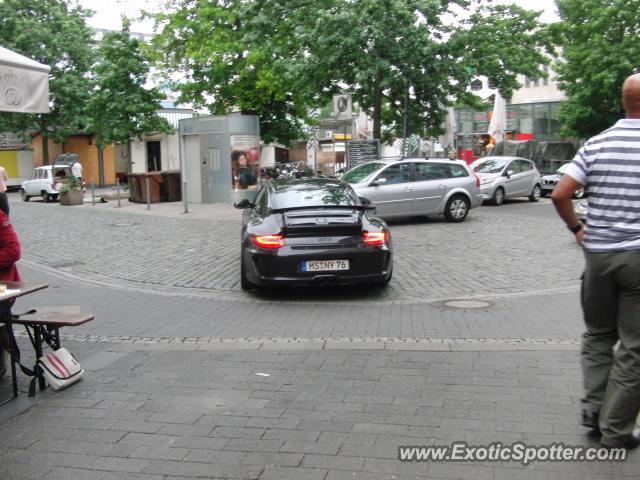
column 52, row 32
column 277, row 58
column 600, row 44
column 121, row 107
column 227, row 56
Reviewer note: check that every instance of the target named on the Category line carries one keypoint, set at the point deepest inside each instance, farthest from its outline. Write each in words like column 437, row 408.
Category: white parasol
column 24, row 84
column 498, row 123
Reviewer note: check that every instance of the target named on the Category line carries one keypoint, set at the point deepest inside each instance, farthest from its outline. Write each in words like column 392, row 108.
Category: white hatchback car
column 45, row 182
column 507, row 177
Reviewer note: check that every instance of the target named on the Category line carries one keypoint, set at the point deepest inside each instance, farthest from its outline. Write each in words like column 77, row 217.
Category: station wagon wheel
column 457, row 208
column 25, row 197
column 535, row 193
column 498, row 196
column 46, row 197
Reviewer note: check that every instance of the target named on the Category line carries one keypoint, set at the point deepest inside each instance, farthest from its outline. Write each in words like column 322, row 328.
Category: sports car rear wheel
column 245, row 284
column 383, row 283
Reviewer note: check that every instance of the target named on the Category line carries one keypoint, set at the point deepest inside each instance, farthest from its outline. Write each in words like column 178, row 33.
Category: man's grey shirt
column 608, row 166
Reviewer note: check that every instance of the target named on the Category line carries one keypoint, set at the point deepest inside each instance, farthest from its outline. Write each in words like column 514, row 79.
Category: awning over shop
column 24, row 84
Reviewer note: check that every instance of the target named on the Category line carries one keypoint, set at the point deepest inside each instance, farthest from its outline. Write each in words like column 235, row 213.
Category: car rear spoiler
column 320, row 207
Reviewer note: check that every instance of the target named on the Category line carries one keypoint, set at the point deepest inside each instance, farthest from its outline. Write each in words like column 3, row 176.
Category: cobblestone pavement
column 188, row 377
column 496, row 251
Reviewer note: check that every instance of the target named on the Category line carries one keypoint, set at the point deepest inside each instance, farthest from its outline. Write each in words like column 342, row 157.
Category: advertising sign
column 342, row 107
column 245, row 162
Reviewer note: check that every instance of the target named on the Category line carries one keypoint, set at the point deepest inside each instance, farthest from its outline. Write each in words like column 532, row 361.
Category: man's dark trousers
column 611, row 304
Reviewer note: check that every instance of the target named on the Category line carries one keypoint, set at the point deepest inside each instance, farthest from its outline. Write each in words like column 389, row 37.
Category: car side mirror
column 508, row 173
column 242, row 204
column 379, row 181
column 368, row 206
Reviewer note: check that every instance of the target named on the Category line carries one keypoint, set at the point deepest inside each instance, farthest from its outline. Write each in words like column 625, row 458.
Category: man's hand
column 561, row 198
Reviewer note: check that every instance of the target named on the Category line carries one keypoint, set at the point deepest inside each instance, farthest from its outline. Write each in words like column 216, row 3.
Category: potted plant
column 70, row 192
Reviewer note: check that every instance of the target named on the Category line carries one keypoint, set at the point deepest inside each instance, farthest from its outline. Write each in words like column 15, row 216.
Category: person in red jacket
column 9, row 255
column 9, row 250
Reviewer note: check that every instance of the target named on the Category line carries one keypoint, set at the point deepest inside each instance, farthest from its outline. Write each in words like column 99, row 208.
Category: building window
column 476, row 85
column 545, row 80
column 527, row 82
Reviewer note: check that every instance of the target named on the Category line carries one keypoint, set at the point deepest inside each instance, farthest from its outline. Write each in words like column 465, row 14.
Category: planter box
column 71, row 198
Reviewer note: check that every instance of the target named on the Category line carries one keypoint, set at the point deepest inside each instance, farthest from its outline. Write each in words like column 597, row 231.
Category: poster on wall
column 245, row 162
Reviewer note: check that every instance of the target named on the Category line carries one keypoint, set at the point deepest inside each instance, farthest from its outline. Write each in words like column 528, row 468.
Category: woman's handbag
column 60, row 368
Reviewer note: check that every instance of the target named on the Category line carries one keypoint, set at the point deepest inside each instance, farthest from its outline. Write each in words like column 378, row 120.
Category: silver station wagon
column 417, row 186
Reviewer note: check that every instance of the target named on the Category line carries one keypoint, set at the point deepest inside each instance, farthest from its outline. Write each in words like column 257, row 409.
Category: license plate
column 324, row 265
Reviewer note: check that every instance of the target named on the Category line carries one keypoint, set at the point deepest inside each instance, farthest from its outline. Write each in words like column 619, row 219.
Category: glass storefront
column 533, row 120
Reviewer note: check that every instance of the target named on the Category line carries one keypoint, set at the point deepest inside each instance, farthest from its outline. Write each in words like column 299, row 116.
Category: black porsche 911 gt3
column 312, row 231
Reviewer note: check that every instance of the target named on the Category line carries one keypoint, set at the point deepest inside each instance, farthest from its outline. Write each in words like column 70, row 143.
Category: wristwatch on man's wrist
column 575, row 229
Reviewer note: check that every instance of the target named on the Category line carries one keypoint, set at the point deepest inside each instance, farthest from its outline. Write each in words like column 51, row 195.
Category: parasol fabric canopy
column 24, row 84
column 498, row 123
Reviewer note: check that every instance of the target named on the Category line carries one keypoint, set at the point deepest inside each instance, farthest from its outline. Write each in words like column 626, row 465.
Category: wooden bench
column 42, row 328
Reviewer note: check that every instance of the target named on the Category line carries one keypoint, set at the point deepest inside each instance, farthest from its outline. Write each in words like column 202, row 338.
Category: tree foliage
column 600, row 43
column 52, row 32
column 121, row 107
column 278, row 58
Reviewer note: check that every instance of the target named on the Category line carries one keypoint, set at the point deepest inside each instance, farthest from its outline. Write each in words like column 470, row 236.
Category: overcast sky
column 109, row 12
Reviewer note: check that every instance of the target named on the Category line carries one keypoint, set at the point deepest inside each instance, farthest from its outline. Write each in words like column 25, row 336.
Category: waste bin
column 135, row 194
column 171, row 186
column 155, row 180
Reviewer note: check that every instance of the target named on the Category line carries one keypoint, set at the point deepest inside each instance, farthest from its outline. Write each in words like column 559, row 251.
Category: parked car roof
column 415, row 159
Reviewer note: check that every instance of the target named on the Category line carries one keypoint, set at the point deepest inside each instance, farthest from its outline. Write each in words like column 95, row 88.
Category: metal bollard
column 93, row 193
column 184, row 197
column 118, row 190
column 148, row 193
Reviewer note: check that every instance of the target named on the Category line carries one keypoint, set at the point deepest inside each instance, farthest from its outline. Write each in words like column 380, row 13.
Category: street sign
column 361, row 151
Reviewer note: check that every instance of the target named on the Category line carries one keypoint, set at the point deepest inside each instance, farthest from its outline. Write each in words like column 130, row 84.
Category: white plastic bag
column 60, row 368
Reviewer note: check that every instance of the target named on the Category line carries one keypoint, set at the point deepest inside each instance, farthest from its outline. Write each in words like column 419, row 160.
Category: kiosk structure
column 220, row 158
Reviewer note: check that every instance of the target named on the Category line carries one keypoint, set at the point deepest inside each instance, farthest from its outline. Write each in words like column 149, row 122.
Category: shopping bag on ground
column 60, row 368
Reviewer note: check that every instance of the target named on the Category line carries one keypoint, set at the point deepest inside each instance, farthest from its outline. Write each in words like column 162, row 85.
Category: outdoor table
column 15, row 290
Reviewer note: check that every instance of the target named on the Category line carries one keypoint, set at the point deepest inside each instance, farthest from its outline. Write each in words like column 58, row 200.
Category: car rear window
column 307, row 194
column 359, row 173
column 61, row 172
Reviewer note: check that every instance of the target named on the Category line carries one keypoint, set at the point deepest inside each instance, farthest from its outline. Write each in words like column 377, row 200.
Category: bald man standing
column 608, row 168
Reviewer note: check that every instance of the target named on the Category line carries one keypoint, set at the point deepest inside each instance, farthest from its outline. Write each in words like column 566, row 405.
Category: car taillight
column 268, row 241
column 477, row 179
column 374, row 238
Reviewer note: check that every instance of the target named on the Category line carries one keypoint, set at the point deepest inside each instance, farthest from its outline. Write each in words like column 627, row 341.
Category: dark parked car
column 312, row 231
